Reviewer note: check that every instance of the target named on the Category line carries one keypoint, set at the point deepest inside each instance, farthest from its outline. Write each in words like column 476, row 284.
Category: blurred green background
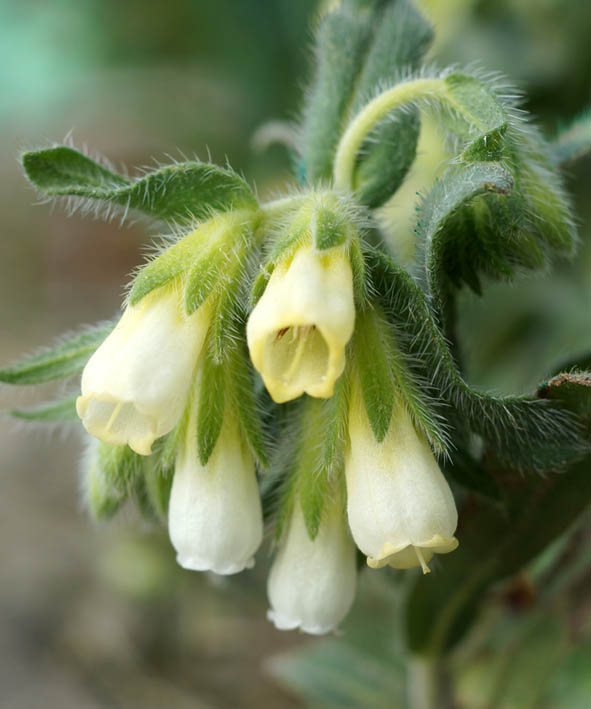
column 102, row 617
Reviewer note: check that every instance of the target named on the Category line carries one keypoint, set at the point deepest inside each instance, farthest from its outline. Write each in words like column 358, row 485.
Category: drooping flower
column 298, row 330
column 312, row 582
column 215, row 520
column 135, row 386
column 401, row 510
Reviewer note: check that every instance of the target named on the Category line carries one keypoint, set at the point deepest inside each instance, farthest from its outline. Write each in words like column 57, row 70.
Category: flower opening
column 298, row 331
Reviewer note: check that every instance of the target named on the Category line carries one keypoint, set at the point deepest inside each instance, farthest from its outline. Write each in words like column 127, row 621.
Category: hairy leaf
column 399, row 42
column 63, row 411
column 182, row 193
column 244, row 403
column 210, row 414
column 312, row 458
column 66, row 357
column 525, row 432
column 341, row 42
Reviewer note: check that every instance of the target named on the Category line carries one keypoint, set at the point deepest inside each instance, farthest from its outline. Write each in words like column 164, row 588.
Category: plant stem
column 423, row 683
column 370, row 116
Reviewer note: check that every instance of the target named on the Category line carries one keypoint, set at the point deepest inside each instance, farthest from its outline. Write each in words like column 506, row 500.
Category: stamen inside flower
column 118, row 422
column 297, row 355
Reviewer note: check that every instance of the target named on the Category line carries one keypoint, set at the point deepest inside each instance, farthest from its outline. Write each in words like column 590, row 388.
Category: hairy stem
column 370, row 116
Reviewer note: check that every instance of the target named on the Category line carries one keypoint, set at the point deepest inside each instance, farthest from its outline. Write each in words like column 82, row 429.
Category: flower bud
column 214, row 515
column 298, row 330
column 312, row 582
column 135, row 386
column 400, row 507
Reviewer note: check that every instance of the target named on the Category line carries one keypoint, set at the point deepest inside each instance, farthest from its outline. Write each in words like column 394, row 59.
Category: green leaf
column 341, row 42
column 244, row 402
column 332, row 674
column 400, row 40
column 525, row 432
column 457, row 255
column 475, row 110
column 182, row 193
column 312, row 457
column 63, row 411
column 573, row 142
column 66, row 357
column 211, row 407
column 372, row 357
column 387, row 157
column 387, row 380
column 494, row 543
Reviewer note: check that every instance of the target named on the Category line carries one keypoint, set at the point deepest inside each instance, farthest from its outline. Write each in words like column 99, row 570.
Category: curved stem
column 370, row 116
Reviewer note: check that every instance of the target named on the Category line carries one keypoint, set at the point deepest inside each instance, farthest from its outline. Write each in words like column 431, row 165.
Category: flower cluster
column 164, row 374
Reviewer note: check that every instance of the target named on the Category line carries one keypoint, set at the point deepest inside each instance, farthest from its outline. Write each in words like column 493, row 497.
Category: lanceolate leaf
column 313, row 459
column 387, row 381
column 525, row 432
column 212, row 404
column 400, row 39
column 372, row 360
column 182, row 193
column 341, row 43
column 63, row 411
column 244, row 403
column 65, row 358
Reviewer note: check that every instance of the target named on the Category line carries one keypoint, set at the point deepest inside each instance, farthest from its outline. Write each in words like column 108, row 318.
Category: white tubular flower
column 312, row 583
column 135, row 386
column 298, row 330
column 400, row 507
column 215, row 520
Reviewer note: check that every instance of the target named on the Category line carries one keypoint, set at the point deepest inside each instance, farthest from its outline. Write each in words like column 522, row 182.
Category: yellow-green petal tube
column 135, row 386
column 401, row 510
column 298, row 331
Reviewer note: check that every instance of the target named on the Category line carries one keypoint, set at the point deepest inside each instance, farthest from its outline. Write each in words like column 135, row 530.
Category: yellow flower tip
column 117, row 422
column 299, row 329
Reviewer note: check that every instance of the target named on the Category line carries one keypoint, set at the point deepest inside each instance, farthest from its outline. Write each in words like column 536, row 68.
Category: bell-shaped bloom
column 135, row 386
column 215, row 520
column 298, row 330
column 312, row 582
column 401, row 510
